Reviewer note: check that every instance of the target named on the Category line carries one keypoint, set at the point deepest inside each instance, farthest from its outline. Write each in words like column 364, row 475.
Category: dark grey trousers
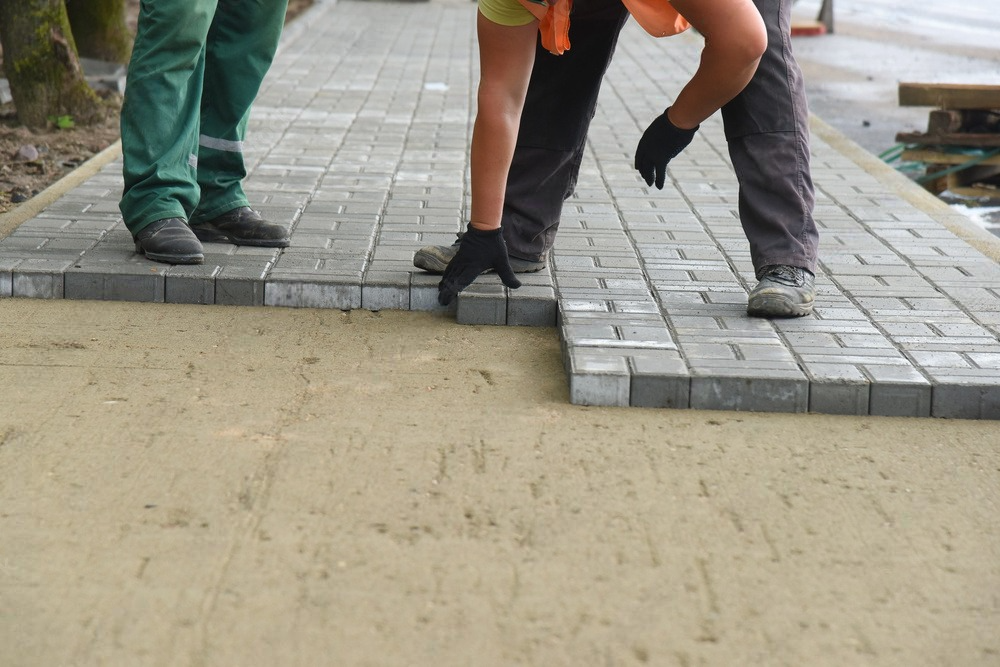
column 766, row 128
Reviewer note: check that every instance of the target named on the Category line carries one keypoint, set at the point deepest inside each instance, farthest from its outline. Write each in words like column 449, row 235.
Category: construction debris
column 961, row 148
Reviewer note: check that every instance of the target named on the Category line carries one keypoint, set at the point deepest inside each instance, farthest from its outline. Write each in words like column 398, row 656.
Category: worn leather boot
column 170, row 241
column 783, row 291
column 243, row 226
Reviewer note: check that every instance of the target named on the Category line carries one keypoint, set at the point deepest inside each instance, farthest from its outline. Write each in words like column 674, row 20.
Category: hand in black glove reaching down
column 660, row 143
column 479, row 251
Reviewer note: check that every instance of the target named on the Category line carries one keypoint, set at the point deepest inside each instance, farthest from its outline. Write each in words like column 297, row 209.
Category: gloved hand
column 478, row 252
column 660, row 143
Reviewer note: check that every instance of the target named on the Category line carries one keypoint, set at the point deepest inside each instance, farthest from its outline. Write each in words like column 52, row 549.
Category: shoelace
column 786, row 275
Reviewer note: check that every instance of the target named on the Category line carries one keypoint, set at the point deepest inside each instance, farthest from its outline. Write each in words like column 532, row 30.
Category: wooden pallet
column 949, row 95
column 964, row 132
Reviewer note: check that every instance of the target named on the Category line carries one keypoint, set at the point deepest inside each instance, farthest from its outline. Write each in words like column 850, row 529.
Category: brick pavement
column 359, row 142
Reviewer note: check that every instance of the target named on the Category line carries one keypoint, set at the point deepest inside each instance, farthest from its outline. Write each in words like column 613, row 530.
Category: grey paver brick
column 750, row 393
column 482, row 304
column 39, row 278
column 240, row 286
column 532, row 305
column 386, row 290
column 971, row 400
column 660, row 379
column 898, row 391
column 838, row 388
column 598, row 377
column 342, row 294
column 7, row 265
column 424, row 292
column 191, row 284
column 136, row 279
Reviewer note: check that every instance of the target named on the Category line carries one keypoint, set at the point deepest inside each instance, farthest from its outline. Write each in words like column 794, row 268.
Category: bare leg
column 506, row 55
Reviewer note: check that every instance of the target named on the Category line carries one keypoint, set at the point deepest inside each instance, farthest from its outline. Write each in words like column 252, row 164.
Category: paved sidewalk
column 359, row 142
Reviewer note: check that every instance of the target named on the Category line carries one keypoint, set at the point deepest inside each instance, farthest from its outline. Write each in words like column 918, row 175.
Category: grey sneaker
column 783, row 291
column 434, row 259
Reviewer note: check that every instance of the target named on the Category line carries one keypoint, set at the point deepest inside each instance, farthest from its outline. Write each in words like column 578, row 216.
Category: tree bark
column 99, row 29
column 42, row 66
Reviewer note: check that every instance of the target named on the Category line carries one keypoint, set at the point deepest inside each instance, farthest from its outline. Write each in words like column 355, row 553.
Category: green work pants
column 196, row 68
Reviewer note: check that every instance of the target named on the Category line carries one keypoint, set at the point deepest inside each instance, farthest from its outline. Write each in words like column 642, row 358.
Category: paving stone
column 966, row 400
column 134, row 280
column 753, row 393
column 532, row 305
column 7, row 265
column 592, row 330
column 660, row 379
column 304, row 293
column 39, row 278
column 898, row 391
column 386, row 290
column 191, row 283
column 424, row 293
column 598, row 377
column 482, row 304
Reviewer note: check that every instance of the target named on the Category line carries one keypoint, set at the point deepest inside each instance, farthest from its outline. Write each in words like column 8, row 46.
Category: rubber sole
column 428, row 260
column 773, row 305
column 213, row 235
column 196, row 258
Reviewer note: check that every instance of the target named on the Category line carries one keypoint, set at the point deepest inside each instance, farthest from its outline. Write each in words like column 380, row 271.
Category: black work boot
column 170, row 241
column 242, row 226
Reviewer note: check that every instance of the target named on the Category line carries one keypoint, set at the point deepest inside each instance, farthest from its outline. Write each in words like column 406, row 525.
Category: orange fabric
column 553, row 23
column 554, row 27
column 657, row 17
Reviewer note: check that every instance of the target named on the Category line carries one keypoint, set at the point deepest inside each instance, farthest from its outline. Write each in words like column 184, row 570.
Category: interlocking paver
column 359, row 144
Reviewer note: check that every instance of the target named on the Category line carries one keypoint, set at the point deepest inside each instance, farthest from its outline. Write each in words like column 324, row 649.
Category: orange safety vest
column 657, row 17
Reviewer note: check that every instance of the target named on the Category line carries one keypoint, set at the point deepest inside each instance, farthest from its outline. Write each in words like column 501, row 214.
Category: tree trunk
column 42, row 66
column 99, row 29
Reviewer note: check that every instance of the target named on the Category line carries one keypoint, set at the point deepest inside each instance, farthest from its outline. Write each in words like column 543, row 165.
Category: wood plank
column 949, row 95
column 950, row 139
column 937, row 157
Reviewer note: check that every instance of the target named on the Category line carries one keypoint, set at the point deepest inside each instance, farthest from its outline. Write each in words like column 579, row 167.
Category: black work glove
column 478, row 252
column 660, row 143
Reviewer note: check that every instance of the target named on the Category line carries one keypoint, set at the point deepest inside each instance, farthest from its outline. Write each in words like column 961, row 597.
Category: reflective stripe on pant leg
column 160, row 113
column 767, row 126
column 241, row 45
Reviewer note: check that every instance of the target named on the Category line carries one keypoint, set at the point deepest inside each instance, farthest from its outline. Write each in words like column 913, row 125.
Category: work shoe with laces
column 435, row 258
column 242, row 226
column 170, row 241
column 782, row 291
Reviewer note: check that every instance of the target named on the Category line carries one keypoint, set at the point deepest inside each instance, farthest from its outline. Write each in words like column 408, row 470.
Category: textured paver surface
column 359, row 143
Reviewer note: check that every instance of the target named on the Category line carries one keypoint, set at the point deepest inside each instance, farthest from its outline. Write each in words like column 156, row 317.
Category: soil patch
column 31, row 161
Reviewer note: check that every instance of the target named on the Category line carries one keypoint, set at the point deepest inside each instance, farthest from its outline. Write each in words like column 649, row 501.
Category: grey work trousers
column 766, row 128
